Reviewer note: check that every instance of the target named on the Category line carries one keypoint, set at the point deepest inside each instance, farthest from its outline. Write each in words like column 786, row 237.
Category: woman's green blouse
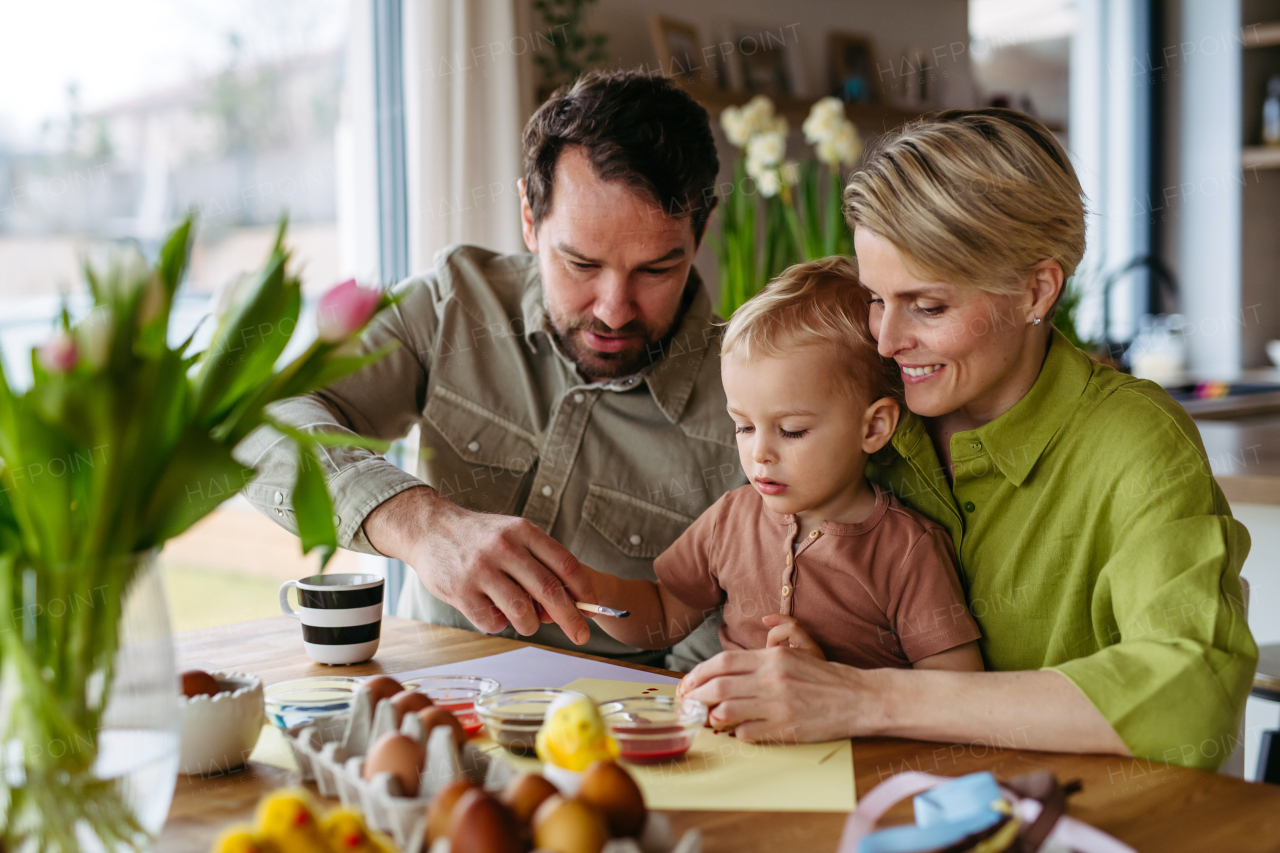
column 1093, row 540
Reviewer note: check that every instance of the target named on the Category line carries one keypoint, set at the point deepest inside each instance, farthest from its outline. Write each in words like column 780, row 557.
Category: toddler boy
column 810, row 554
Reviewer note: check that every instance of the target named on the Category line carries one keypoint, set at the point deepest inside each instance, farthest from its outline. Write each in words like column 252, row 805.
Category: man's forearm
column 396, row 525
column 1038, row 709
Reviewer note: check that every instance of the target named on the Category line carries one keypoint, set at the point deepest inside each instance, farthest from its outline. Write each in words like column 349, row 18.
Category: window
column 114, row 127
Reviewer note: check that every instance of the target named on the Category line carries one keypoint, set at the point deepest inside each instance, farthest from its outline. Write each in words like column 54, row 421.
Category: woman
column 1099, row 556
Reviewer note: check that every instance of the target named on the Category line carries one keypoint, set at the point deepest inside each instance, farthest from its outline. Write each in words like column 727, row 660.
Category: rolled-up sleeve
column 1177, row 656
column 381, row 401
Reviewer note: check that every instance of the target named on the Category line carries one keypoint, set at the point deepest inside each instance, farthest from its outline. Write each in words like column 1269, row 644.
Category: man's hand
column 496, row 569
column 786, row 631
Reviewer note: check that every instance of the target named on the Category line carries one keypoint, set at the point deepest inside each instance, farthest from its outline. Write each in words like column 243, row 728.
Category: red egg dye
column 649, row 749
column 464, row 710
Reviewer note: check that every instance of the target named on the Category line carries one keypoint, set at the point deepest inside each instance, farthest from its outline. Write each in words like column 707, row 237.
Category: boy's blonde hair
column 815, row 303
column 972, row 197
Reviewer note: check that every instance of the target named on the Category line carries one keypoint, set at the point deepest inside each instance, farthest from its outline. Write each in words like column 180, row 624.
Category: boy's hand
column 786, row 631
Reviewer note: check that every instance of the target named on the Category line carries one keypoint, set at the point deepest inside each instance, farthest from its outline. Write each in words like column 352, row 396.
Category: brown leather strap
column 1042, row 786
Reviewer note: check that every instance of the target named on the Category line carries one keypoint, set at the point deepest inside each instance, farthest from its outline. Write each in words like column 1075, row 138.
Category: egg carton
column 331, row 752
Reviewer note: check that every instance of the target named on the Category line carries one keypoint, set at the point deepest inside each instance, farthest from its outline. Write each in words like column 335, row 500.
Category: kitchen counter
column 1245, row 457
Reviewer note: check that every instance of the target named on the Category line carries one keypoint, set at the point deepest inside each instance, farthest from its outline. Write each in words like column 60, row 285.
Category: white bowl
column 219, row 732
column 1273, row 352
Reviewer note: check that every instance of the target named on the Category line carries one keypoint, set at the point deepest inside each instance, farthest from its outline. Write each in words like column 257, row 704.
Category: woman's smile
column 914, row 374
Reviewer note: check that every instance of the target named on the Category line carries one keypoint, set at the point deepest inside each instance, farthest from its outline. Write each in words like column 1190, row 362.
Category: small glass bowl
column 306, row 700
column 513, row 717
column 651, row 729
column 456, row 693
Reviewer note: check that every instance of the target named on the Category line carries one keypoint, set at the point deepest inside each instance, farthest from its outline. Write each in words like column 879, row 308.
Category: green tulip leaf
column 312, row 506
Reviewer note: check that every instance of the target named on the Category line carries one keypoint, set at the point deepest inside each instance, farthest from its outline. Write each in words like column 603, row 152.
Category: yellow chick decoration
column 287, row 820
column 348, row 834
column 573, row 735
column 241, row 838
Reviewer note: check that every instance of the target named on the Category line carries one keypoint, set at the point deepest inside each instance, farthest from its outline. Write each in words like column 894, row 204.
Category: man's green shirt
column 1093, row 540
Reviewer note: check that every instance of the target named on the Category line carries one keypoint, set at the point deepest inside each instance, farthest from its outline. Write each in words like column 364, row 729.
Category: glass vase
column 88, row 707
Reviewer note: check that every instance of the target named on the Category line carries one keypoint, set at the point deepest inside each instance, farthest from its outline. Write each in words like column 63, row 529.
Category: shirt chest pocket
column 484, row 460
column 621, row 534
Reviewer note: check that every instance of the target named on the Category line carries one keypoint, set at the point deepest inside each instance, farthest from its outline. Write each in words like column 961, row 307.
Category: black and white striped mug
column 341, row 616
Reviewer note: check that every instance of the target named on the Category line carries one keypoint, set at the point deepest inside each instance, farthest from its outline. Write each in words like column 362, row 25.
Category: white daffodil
column 769, row 183
column 767, row 148
column 790, row 173
column 843, row 146
column 824, row 117
column 848, row 143
column 735, row 126
column 758, row 113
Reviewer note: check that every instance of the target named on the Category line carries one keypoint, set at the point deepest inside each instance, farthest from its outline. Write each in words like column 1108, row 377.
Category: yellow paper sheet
column 273, row 750
column 724, row 773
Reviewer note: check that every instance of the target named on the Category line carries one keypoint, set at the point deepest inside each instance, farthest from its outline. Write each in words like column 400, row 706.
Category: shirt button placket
column 562, row 444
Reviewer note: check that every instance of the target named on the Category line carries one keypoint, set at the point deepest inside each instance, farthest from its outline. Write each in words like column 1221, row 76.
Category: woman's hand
column 786, row 631
column 780, row 693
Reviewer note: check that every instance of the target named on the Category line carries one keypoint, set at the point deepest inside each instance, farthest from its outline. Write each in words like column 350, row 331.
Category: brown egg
column 525, row 793
column 615, row 794
column 382, row 687
column 569, row 826
column 401, row 756
column 437, row 716
column 197, row 682
column 409, row 702
column 440, row 812
column 481, row 824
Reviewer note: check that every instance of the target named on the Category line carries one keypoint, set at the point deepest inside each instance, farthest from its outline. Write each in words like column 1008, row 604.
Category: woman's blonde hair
column 816, row 303
column 972, row 197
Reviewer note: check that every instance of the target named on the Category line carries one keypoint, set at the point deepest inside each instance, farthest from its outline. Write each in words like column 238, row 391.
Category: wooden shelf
column 1262, row 35
column 1260, row 157
column 870, row 118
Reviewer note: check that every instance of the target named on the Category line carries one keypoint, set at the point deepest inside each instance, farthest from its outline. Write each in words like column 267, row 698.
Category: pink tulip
column 59, row 354
column 344, row 310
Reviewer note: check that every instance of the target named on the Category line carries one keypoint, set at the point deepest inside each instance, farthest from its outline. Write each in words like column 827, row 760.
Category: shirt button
column 969, row 507
column 336, row 521
column 788, row 559
column 578, row 398
column 280, row 512
column 813, row 535
column 975, row 445
column 786, row 590
column 547, row 490
column 635, row 539
column 473, row 446
column 279, row 498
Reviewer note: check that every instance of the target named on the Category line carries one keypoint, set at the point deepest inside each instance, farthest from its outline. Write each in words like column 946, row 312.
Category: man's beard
column 645, row 348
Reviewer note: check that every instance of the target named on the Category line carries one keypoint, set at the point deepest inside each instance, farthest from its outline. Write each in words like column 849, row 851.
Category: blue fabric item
column 944, row 815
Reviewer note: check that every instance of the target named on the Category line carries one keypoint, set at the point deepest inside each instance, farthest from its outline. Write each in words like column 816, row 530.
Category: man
column 569, row 399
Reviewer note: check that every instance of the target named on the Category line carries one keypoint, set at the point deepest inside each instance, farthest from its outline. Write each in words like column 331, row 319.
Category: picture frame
column 852, row 73
column 767, row 60
column 680, row 53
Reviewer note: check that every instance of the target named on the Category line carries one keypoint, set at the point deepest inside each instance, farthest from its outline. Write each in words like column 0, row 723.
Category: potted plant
column 778, row 211
column 121, row 442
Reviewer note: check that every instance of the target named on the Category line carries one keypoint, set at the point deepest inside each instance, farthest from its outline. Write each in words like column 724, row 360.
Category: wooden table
column 1152, row 806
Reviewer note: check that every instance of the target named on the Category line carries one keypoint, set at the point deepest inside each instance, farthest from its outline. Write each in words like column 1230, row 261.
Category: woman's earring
column 1035, row 321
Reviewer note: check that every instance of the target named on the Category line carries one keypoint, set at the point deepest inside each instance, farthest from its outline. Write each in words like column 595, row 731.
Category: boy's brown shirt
column 880, row 593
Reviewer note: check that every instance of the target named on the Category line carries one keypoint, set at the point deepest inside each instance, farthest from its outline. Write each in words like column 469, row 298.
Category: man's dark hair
column 634, row 127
